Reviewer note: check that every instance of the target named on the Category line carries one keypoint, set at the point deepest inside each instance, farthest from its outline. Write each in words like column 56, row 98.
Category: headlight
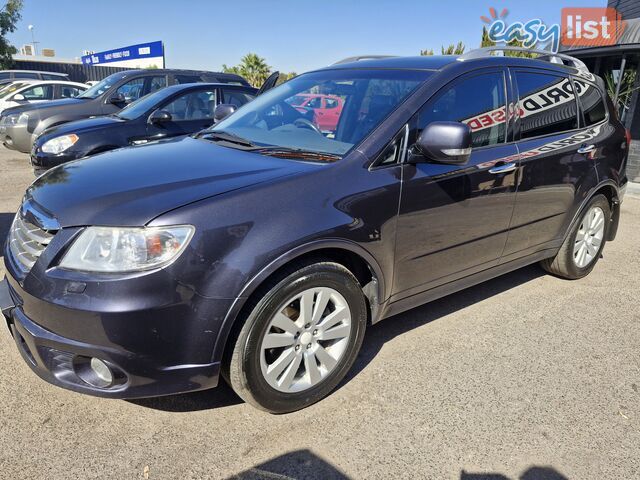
column 16, row 119
column 59, row 144
column 122, row 249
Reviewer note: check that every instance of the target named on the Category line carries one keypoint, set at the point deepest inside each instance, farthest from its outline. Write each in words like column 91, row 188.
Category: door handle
column 587, row 149
column 506, row 168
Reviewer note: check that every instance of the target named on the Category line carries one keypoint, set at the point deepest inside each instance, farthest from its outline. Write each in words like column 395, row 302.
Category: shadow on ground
column 376, row 336
column 304, row 464
column 293, row 465
column 531, row 473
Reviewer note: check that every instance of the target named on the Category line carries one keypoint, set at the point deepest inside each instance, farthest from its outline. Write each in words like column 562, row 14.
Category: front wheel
column 300, row 339
column 583, row 246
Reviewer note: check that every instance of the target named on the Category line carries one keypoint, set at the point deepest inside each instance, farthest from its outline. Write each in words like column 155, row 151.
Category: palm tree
column 252, row 67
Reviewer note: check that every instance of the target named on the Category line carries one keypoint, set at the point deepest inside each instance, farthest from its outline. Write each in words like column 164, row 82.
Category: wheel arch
column 609, row 189
column 350, row 255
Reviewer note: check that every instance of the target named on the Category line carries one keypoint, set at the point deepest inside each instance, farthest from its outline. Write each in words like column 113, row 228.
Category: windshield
column 326, row 112
column 142, row 105
column 101, row 87
column 9, row 89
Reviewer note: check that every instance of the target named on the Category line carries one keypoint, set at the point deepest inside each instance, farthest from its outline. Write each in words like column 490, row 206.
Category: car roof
column 35, row 71
column 440, row 62
column 29, row 82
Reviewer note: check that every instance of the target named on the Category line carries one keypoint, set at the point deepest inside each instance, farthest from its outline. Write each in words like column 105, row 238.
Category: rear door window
column 478, row 100
column 67, row 91
column 192, row 106
column 591, row 102
column 27, row 75
column 235, row 97
column 132, row 90
column 547, row 104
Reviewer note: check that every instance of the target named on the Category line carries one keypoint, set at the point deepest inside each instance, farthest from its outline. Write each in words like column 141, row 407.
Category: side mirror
column 118, row 98
column 160, row 116
column 443, row 142
column 18, row 97
column 222, row 111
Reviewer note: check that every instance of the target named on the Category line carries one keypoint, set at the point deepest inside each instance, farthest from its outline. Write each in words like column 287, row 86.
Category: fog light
column 102, row 370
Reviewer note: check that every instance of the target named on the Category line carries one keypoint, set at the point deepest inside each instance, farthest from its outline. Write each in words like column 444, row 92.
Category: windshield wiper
column 297, row 153
column 225, row 136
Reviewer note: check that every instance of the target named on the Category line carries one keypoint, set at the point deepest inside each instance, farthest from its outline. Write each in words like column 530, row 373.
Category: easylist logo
column 591, row 26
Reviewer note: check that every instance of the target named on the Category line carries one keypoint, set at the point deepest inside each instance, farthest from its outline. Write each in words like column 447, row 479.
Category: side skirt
column 413, row 301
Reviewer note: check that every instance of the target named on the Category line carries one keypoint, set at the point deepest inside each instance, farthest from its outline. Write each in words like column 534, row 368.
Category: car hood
column 132, row 186
column 43, row 105
column 79, row 126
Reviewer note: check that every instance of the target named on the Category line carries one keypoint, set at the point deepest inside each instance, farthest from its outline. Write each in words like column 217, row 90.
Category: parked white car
column 22, row 92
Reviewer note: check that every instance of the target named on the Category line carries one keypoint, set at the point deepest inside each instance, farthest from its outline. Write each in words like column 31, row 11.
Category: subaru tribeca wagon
column 260, row 249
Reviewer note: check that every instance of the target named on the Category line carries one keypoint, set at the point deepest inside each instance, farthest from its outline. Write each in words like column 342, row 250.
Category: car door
column 454, row 219
column 190, row 113
column 131, row 90
column 552, row 167
column 36, row 94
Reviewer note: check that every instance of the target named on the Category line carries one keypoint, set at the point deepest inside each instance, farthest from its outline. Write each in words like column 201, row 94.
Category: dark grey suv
column 260, row 249
column 20, row 126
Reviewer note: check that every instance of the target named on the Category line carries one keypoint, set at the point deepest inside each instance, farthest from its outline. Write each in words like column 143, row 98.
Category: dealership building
column 619, row 65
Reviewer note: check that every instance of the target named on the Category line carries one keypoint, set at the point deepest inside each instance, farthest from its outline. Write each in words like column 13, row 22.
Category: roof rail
column 544, row 55
column 361, row 57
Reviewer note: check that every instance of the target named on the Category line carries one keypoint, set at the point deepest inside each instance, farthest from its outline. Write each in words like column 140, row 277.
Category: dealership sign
column 580, row 27
column 133, row 52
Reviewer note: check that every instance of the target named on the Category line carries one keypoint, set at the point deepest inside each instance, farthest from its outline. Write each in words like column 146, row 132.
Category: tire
column 570, row 262
column 252, row 368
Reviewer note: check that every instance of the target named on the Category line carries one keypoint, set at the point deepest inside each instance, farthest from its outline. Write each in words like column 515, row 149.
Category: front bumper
column 61, row 360
column 16, row 137
column 42, row 162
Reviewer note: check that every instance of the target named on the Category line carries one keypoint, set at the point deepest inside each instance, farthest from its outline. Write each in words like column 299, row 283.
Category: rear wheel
column 300, row 339
column 583, row 246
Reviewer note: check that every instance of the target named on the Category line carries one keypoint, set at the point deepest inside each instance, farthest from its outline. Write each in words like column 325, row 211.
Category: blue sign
column 133, row 52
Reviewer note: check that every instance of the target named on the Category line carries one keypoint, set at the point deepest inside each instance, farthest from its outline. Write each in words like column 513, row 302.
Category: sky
column 292, row 35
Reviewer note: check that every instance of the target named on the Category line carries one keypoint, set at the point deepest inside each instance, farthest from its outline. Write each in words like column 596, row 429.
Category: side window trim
column 403, row 137
column 581, row 117
column 551, row 74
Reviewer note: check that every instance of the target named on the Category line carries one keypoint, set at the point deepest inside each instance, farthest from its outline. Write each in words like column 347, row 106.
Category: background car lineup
column 56, row 120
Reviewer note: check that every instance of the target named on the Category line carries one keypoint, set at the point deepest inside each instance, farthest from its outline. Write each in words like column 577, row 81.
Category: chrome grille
column 27, row 242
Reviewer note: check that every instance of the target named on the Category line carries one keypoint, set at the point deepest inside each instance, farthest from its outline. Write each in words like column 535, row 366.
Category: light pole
column 33, row 40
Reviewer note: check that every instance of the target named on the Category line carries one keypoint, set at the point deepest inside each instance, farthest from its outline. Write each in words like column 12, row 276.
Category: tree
column 453, row 49
column 9, row 16
column 426, row 53
column 286, row 76
column 486, row 41
column 252, row 67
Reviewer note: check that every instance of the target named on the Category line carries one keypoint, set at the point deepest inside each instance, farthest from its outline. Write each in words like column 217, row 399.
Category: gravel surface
column 524, row 377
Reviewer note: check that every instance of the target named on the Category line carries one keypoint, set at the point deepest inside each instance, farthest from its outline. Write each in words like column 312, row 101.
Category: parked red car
column 326, row 108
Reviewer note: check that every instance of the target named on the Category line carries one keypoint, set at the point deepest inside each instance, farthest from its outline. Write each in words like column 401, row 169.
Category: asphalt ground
column 524, row 377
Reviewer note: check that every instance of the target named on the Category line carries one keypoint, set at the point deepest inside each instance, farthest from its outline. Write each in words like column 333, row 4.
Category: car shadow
column 377, row 335
column 380, row 333
column 304, row 464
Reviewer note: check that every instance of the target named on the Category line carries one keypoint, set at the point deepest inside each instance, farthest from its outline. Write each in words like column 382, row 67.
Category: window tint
column 547, row 104
column 40, row 92
column 132, row 90
column 5, row 76
column 157, row 83
column 67, row 91
column 192, row 106
column 235, row 97
column 591, row 102
column 478, row 101
column 27, row 75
